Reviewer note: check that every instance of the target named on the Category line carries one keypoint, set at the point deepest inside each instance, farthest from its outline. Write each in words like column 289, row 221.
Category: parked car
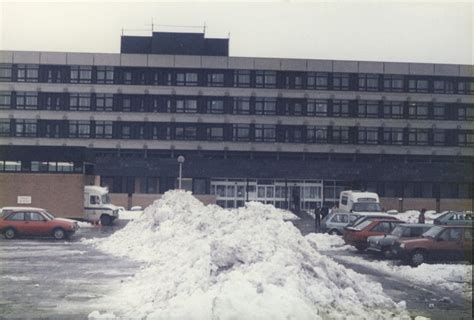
column 357, row 235
column 335, row 222
column 367, row 217
column 454, row 218
column 24, row 221
column 439, row 243
column 383, row 244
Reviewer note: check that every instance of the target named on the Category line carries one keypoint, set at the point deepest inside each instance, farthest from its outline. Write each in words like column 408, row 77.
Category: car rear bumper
column 374, row 248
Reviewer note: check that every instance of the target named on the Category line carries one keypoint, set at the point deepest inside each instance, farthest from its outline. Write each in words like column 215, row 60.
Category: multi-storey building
column 292, row 132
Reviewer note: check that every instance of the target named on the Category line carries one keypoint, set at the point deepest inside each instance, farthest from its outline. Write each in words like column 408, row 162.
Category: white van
column 359, row 202
column 97, row 206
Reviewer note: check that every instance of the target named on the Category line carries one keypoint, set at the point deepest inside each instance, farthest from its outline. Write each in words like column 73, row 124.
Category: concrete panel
column 294, row 64
column 451, row 70
column 155, row 60
column 106, row 59
column 320, row 65
column 466, row 71
column 53, row 57
column 345, row 66
column 241, row 63
column 267, row 64
column 396, row 68
column 187, row 61
column 26, row 57
column 370, row 67
column 80, row 59
column 39, row 187
column 6, row 57
column 456, row 204
column 214, row 62
column 133, row 60
column 421, row 68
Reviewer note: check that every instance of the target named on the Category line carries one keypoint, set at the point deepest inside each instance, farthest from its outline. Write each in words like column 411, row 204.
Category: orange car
column 357, row 235
column 35, row 222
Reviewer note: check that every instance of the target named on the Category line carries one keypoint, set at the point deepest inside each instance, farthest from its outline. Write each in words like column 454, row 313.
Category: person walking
column 421, row 217
column 317, row 219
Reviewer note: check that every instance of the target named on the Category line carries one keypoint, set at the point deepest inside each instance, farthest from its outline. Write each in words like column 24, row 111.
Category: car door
column 449, row 244
column 17, row 221
column 37, row 224
column 467, row 244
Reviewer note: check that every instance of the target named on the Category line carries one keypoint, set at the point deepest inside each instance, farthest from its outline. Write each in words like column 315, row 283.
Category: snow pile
column 456, row 278
column 129, row 214
column 327, row 242
column 411, row 216
column 204, row 262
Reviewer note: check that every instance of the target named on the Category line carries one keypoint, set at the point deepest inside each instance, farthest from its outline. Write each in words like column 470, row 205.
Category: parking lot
column 65, row 279
column 50, row 279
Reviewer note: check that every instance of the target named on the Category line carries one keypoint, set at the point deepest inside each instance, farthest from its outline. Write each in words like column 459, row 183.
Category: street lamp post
column 180, row 161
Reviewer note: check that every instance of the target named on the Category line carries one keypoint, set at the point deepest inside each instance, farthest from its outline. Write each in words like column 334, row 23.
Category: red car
column 35, row 222
column 357, row 235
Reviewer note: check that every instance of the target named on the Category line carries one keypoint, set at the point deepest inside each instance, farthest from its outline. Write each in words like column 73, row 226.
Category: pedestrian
column 317, row 219
column 324, row 212
column 421, row 217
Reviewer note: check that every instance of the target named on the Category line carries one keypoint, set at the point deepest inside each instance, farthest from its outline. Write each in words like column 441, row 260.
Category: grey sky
column 415, row 32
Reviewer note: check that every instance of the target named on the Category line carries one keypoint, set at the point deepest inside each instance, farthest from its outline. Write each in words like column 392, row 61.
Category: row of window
column 235, row 78
column 234, row 132
column 239, row 189
column 236, row 105
column 41, row 166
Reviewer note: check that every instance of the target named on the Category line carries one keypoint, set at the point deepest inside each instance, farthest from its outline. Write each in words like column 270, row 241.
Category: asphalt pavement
column 47, row 279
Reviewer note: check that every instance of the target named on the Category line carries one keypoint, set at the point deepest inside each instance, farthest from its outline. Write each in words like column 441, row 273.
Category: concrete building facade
column 291, row 132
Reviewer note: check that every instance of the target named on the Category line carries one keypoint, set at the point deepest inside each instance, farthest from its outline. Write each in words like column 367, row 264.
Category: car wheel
column 10, row 233
column 386, row 253
column 360, row 248
column 105, row 220
column 417, row 258
column 59, row 234
column 334, row 232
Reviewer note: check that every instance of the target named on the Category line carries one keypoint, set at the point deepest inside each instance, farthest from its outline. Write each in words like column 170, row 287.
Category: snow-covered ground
column 452, row 277
column 204, row 262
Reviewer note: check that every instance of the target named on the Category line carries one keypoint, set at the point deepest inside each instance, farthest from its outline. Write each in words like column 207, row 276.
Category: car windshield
column 105, row 198
column 401, row 231
column 362, row 225
column 49, row 215
column 433, row 232
column 366, row 207
column 357, row 221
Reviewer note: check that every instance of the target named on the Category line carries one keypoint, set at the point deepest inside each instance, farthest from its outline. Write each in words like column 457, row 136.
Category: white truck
column 359, row 202
column 97, row 206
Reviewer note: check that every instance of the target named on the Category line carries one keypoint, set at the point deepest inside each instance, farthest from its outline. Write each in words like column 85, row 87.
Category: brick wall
column 61, row 194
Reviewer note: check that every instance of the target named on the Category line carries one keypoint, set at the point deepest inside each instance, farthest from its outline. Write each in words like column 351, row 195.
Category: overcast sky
column 439, row 32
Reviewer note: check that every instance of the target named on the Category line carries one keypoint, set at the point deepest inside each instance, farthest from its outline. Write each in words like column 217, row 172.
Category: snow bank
column 411, row 216
column 327, row 242
column 456, row 278
column 203, row 262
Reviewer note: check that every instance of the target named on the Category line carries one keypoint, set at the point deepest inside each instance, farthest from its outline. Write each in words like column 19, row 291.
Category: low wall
column 426, row 203
column 144, row 200
column 61, row 194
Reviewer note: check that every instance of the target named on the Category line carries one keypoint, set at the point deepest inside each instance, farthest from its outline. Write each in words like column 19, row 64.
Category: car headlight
column 402, row 245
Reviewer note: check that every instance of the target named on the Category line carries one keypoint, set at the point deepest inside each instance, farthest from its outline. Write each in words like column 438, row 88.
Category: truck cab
column 97, row 206
column 359, row 202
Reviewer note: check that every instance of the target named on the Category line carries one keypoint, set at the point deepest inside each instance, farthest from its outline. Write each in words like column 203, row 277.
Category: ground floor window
column 294, row 195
